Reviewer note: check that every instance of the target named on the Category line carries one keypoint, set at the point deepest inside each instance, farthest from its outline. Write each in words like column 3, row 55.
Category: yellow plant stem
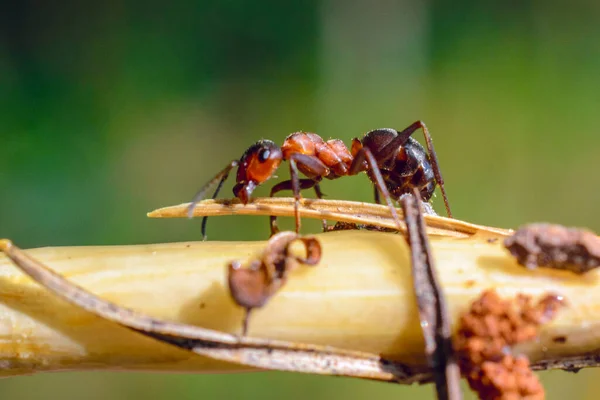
column 360, row 297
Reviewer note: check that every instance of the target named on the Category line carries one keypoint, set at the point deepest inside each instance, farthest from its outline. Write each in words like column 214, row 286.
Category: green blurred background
column 112, row 109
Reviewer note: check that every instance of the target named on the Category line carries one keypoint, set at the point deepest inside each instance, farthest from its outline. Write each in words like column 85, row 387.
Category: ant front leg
column 314, row 168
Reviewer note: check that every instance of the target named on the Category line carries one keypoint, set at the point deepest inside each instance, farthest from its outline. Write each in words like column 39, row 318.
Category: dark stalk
column 433, row 313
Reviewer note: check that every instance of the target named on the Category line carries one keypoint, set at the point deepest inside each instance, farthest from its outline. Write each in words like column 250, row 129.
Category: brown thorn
column 253, row 286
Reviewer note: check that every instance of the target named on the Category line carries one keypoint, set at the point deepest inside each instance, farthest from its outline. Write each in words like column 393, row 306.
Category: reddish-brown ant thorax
column 300, row 143
column 257, row 165
column 333, row 154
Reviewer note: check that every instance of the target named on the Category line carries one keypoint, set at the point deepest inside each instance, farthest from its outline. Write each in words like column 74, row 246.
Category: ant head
column 257, row 165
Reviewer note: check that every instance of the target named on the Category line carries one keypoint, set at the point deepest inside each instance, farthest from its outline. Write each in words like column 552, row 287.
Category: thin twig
column 435, row 321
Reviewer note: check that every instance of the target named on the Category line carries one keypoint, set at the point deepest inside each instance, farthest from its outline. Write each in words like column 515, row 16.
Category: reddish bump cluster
column 483, row 343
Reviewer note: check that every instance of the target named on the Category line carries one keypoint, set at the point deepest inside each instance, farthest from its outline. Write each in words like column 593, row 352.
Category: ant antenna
column 221, row 177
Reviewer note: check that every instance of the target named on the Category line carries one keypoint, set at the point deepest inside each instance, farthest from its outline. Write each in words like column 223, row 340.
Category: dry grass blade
column 336, row 210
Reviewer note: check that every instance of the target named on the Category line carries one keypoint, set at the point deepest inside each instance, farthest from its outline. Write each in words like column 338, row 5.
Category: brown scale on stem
column 253, row 285
column 485, row 335
column 394, row 161
column 555, row 246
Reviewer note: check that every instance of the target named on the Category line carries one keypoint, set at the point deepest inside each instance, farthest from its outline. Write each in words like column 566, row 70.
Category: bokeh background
column 111, row 109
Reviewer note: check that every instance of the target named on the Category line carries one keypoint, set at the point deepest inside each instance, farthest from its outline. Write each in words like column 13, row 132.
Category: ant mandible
column 393, row 161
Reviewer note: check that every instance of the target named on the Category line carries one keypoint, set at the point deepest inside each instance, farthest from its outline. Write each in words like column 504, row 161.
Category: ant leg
column 365, row 153
column 436, row 167
column 389, row 150
column 402, row 137
column 316, row 170
column 319, row 195
column 296, row 190
column 221, row 177
column 376, row 194
column 287, row 185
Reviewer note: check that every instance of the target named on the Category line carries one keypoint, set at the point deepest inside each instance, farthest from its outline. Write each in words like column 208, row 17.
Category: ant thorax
column 332, row 154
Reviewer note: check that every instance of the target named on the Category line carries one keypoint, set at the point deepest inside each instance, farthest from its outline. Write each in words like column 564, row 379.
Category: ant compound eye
column 263, row 155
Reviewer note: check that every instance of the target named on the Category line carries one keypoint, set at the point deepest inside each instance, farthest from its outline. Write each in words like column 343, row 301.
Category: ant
column 394, row 161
